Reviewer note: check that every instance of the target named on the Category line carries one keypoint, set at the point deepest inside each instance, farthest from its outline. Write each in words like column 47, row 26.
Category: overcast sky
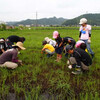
column 17, row 10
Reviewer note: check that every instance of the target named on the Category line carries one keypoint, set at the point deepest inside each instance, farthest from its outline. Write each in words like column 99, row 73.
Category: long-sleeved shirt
column 9, row 55
column 82, row 56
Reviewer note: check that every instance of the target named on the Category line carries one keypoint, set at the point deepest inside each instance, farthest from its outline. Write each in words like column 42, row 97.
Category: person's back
column 13, row 38
column 69, row 40
column 52, row 42
column 49, row 47
column 83, row 56
column 8, row 55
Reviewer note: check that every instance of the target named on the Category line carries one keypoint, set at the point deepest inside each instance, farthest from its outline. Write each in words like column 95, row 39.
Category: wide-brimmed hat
column 20, row 45
column 55, row 34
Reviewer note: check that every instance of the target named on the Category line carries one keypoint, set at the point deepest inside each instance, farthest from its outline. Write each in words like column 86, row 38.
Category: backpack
column 3, row 45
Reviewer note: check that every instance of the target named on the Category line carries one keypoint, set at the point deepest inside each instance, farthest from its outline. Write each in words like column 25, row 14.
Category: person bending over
column 9, row 58
column 14, row 39
column 49, row 49
column 80, row 60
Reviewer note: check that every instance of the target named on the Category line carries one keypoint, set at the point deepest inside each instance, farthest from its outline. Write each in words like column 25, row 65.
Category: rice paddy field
column 41, row 78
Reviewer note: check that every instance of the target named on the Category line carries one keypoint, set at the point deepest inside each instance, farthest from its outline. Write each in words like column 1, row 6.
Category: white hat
column 1, row 40
column 83, row 21
column 47, row 39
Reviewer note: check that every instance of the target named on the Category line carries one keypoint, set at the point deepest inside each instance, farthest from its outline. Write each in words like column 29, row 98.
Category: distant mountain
column 93, row 19
column 10, row 23
column 43, row 21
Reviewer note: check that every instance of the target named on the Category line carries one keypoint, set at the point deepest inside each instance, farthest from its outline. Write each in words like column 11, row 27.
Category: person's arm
column 15, row 60
column 77, row 57
column 2, row 48
column 43, row 49
column 61, row 42
column 89, row 39
column 14, row 57
column 80, row 35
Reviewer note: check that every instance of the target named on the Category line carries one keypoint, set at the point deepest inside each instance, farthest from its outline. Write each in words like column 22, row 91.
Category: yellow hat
column 20, row 45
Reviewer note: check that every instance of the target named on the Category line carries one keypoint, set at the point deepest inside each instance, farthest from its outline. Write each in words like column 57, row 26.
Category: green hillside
column 43, row 21
column 93, row 19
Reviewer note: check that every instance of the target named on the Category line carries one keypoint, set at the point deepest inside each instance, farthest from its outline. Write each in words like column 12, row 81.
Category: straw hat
column 20, row 45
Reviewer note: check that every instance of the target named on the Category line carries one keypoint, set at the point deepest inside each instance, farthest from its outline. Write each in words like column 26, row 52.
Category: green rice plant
column 33, row 94
column 40, row 75
column 89, row 96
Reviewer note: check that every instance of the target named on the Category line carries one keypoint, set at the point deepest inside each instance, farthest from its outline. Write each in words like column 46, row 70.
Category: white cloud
column 11, row 10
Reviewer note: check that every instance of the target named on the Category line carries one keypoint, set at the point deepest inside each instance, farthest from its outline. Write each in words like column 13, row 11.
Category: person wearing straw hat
column 9, row 58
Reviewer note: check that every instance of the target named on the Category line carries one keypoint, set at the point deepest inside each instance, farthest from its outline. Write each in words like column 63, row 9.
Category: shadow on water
column 11, row 96
column 43, row 96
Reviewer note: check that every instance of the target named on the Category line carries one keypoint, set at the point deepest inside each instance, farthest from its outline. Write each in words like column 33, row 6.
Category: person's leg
column 49, row 53
column 88, row 48
column 84, row 67
column 66, row 55
column 73, row 62
column 10, row 65
column 58, row 57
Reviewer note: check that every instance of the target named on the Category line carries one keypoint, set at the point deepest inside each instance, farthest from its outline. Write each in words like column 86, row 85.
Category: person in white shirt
column 85, row 34
column 50, row 41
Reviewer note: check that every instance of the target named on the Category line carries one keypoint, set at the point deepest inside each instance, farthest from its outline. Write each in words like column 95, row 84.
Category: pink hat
column 78, row 43
column 55, row 34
